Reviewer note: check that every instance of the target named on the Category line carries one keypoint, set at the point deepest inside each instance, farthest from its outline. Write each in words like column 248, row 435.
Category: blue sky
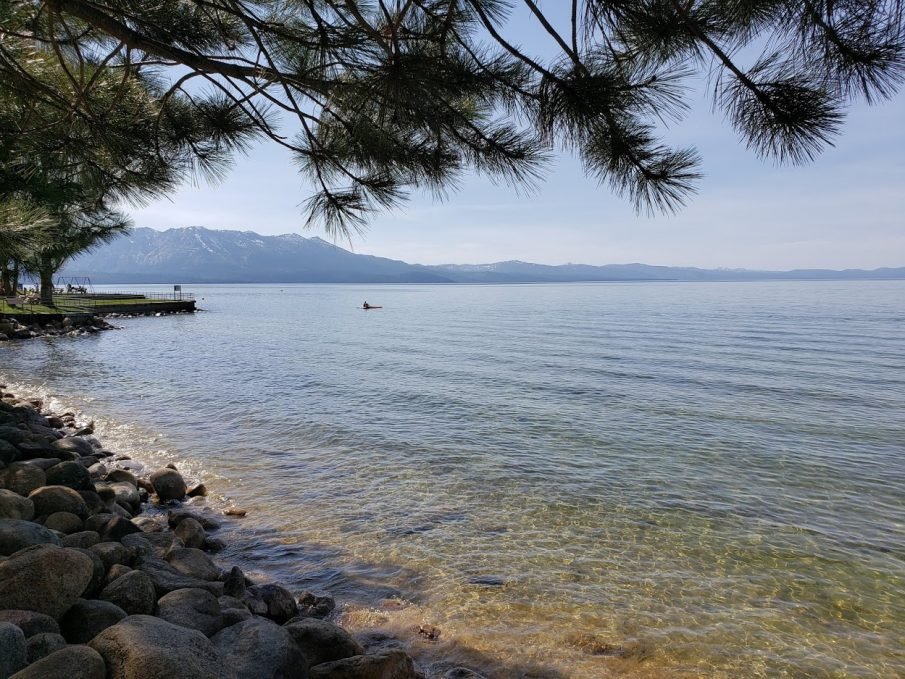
column 846, row 210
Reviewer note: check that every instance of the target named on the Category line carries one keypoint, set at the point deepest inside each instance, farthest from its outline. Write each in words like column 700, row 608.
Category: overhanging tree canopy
column 396, row 94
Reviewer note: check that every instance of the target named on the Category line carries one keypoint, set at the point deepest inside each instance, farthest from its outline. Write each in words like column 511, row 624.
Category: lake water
column 642, row 480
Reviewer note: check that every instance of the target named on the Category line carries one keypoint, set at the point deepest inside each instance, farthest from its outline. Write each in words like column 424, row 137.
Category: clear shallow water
column 667, row 480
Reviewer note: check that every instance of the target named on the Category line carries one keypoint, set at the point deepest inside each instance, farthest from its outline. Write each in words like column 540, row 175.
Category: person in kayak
column 366, row 305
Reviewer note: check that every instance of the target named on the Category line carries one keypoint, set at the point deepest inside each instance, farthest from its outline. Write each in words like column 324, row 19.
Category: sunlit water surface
column 651, row 480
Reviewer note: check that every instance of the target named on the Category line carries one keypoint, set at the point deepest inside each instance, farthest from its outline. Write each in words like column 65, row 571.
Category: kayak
column 370, row 306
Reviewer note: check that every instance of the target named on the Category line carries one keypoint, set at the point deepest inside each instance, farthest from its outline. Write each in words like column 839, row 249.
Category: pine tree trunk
column 15, row 285
column 6, row 280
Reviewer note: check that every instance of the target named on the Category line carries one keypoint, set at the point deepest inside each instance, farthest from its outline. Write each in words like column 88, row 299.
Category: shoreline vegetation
column 104, row 572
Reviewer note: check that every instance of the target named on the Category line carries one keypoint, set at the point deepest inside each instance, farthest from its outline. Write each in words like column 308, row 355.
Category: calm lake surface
column 643, row 480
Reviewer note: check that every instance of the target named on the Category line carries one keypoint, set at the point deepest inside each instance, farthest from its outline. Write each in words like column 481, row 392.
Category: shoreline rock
column 91, row 588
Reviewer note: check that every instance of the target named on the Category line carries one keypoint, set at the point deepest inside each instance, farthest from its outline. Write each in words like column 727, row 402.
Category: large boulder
column 116, row 528
column 8, row 452
column 51, row 499
column 43, row 644
column 322, row 641
column 193, row 562
column 14, row 506
column 177, row 516
column 64, row 522
column 30, row 622
column 260, row 648
column 234, row 611
column 72, row 662
column 167, row 579
column 168, row 484
column 144, row 647
column 393, row 664
column 98, row 575
column 126, row 494
column 133, row 592
column 192, row 608
column 44, row 578
column 70, row 474
column 74, row 444
column 83, row 539
column 88, row 618
column 115, row 475
column 13, row 652
column 191, row 533
column 16, row 534
column 22, row 477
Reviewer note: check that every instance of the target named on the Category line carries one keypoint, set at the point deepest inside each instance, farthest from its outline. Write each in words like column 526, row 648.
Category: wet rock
column 86, row 619
column 115, row 475
column 30, row 622
column 235, row 511
column 126, row 494
column 213, row 545
column 392, row 664
column 16, row 534
column 321, row 641
column 117, row 528
column 234, row 583
column 72, row 662
column 191, row 533
column 51, row 499
column 82, row 539
column 64, row 522
column 14, row 506
column 278, row 603
column 70, row 474
column 199, row 490
column 260, row 648
column 22, row 478
column 13, row 652
column 175, row 517
column 159, row 544
column 144, row 647
column 43, row 644
column 313, row 606
column 168, row 484
column 133, row 592
column 75, row 444
column 193, row 562
column 192, row 608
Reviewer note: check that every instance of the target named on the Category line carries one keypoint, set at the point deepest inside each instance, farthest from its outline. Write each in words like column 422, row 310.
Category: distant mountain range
column 199, row 255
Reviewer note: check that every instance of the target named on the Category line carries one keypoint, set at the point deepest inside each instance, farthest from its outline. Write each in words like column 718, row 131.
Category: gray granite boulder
column 191, row 533
column 45, row 578
column 70, row 474
column 192, row 608
column 14, row 506
column 167, row 579
column 260, row 648
column 126, row 494
column 88, row 618
column 115, row 475
column 112, row 553
column 234, row 611
column 168, row 484
column 98, row 574
column 22, row 478
column 322, row 641
column 43, row 644
column 64, row 522
column 51, row 499
column 393, row 664
column 133, row 592
column 16, row 534
column 13, row 652
column 72, row 662
column 75, row 444
column 144, row 647
column 193, row 562
column 83, row 539
column 30, row 622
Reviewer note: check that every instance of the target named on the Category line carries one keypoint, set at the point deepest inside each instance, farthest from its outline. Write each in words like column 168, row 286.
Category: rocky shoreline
column 105, row 573
column 14, row 329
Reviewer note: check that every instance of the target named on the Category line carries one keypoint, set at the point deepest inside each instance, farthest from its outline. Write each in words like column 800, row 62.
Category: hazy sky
column 846, row 210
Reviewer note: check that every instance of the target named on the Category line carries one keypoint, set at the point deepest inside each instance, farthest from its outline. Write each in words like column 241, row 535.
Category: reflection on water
column 575, row 480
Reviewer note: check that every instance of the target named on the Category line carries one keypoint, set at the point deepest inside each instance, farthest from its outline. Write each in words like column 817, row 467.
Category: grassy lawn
column 67, row 304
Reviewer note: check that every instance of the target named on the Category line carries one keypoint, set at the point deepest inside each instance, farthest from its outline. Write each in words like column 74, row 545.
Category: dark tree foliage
column 392, row 95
